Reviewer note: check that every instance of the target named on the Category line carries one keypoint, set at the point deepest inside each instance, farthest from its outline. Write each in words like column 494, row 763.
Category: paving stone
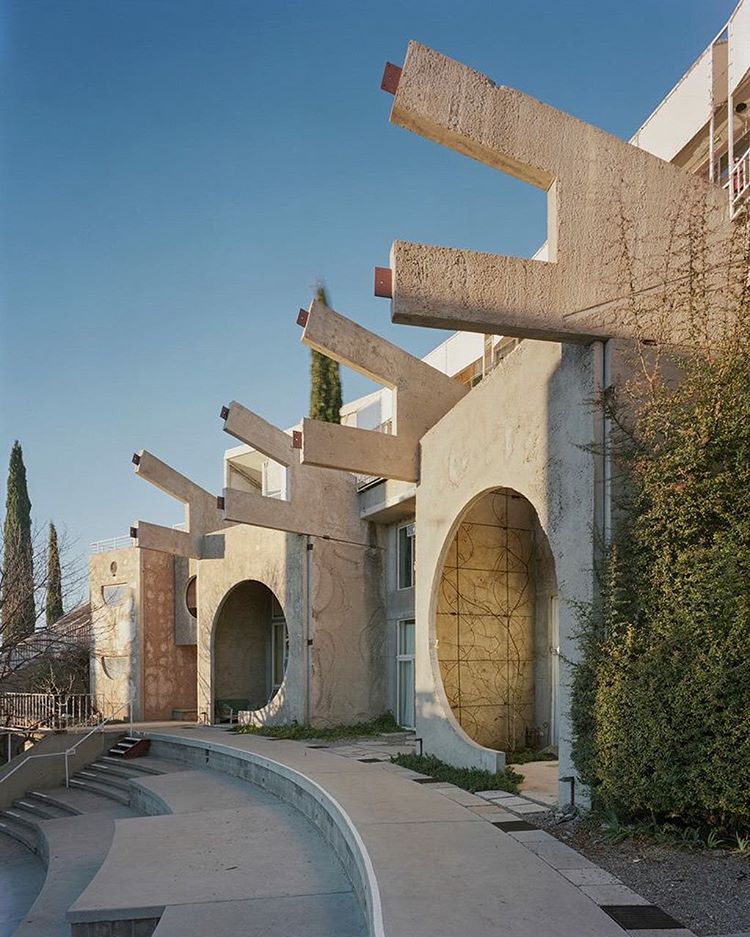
column 526, row 807
column 532, row 836
column 493, row 795
column 612, row 894
column 590, row 877
column 560, row 856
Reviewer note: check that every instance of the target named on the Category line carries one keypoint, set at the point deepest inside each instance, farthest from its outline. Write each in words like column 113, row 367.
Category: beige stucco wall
column 528, row 427
column 168, row 669
column 135, row 657
column 116, row 660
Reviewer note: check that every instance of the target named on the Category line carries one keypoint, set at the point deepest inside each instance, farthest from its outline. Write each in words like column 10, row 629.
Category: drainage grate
column 426, row 780
column 641, row 917
column 370, row 761
column 514, row 826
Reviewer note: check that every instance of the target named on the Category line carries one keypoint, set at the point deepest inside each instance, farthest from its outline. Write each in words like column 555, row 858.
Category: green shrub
column 470, row 779
column 661, row 698
column 299, row 730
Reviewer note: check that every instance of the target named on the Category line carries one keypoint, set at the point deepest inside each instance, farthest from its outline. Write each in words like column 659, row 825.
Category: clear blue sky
column 176, row 174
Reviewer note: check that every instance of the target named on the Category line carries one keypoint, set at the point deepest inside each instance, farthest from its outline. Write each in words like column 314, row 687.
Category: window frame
column 413, row 539
column 402, row 658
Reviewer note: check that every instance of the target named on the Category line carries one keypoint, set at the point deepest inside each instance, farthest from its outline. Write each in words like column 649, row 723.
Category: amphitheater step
column 103, row 789
column 130, row 747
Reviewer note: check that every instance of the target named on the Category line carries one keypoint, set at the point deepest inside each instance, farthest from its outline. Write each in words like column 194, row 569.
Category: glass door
column 405, row 714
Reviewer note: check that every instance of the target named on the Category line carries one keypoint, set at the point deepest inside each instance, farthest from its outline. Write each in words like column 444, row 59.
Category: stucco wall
column 529, row 427
column 169, row 670
column 116, row 660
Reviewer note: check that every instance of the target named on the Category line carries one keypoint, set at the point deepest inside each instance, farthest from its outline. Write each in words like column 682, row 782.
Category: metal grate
column 641, row 917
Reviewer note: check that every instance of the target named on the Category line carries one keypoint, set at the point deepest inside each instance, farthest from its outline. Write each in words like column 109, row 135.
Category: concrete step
column 80, row 801
column 138, row 766
column 103, row 777
column 51, row 806
column 22, row 818
column 25, row 834
column 36, row 810
column 101, row 788
column 121, row 769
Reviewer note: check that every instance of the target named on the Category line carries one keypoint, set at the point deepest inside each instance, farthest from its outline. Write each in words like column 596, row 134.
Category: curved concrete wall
column 529, row 427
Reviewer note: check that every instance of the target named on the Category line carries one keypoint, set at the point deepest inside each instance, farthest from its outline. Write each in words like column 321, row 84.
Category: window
column 406, row 556
column 405, row 713
column 191, row 596
column 279, row 647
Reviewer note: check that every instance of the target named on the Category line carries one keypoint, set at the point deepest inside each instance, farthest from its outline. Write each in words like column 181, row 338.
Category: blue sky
column 176, row 174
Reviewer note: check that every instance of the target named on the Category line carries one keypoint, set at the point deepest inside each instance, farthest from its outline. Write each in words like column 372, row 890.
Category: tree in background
column 53, row 605
column 325, row 380
column 17, row 607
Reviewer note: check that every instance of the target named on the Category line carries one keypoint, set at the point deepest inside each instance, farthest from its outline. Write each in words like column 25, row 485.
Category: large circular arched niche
column 495, row 624
column 250, row 649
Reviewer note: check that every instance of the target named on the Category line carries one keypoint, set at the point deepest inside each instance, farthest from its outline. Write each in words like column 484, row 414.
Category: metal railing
column 66, row 753
column 47, row 710
column 738, row 183
column 113, row 543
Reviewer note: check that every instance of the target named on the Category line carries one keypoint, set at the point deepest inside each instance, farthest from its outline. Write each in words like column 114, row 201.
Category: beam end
column 391, row 78
column 384, row 282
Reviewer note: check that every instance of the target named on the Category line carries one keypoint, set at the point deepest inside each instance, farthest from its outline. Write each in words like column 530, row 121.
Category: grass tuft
column 470, row 779
column 297, row 730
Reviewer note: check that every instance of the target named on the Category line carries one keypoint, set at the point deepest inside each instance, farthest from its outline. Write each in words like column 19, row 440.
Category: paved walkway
column 444, row 869
column 21, row 878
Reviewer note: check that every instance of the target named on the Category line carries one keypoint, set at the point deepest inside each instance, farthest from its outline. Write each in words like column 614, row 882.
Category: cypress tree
column 54, row 604
column 17, row 610
column 325, row 380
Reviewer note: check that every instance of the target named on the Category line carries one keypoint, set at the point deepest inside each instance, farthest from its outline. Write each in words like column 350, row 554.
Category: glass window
column 406, row 556
column 191, row 596
column 405, row 707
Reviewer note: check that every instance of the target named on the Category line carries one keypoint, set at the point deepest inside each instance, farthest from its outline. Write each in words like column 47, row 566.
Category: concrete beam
column 620, row 220
column 422, row 396
column 321, row 502
column 201, row 512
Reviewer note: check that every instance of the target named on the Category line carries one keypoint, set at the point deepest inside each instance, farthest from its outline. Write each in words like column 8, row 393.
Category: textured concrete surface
column 442, row 870
column 596, row 185
column 539, row 780
column 422, row 395
column 531, row 437
column 227, row 841
column 21, row 878
column 316, row 916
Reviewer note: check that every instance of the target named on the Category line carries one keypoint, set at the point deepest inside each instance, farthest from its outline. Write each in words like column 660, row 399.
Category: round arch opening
column 496, row 625
column 250, row 649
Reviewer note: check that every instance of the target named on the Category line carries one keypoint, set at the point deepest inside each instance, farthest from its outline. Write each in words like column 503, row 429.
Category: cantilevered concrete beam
column 201, row 512
column 320, row 503
column 422, row 396
column 620, row 220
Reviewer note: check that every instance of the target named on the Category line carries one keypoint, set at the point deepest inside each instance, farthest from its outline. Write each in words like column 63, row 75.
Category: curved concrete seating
column 215, row 849
column 422, row 864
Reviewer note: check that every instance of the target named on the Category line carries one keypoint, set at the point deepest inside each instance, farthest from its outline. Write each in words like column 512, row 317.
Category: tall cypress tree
column 54, row 604
column 17, row 610
column 325, row 380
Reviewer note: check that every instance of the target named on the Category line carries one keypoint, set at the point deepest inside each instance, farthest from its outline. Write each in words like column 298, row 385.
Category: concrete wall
column 331, row 596
column 135, row 656
column 115, row 587
column 528, row 427
column 169, row 670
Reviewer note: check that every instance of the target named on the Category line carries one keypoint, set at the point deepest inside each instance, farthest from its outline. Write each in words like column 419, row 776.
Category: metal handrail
column 68, row 751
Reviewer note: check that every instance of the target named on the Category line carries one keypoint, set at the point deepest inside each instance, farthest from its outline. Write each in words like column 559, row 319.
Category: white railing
column 47, row 710
column 72, row 750
column 738, row 183
column 113, row 543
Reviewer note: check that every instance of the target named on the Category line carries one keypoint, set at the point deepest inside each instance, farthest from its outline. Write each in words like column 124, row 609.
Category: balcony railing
column 112, row 543
column 48, row 710
column 738, row 183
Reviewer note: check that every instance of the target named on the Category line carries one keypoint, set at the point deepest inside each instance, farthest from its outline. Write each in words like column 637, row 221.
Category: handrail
column 66, row 753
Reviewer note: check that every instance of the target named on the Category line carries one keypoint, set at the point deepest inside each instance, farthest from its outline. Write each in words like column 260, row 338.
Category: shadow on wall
column 493, row 623
column 251, row 649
